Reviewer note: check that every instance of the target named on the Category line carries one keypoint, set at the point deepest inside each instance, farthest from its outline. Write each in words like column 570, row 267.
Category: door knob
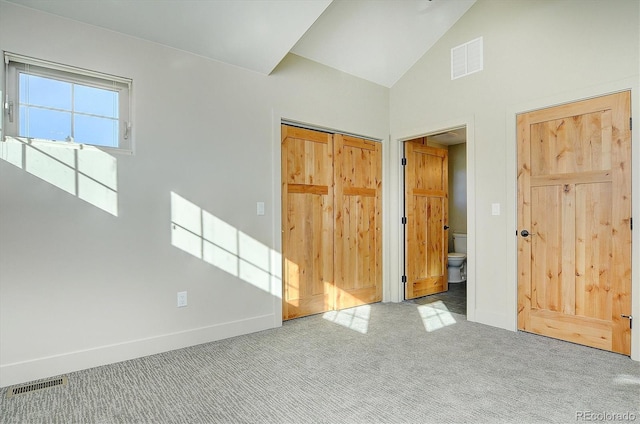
column 525, row 233
column 446, row 227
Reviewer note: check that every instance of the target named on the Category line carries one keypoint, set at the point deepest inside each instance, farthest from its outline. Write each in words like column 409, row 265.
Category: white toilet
column 457, row 259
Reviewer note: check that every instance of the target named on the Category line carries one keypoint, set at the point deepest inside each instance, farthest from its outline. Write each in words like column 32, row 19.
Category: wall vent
column 41, row 385
column 467, row 58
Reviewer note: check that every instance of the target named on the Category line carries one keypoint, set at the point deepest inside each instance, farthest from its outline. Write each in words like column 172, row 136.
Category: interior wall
column 457, row 191
column 80, row 287
column 536, row 54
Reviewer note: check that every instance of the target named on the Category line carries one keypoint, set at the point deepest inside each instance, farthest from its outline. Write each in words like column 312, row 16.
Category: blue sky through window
column 58, row 110
column 45, row 92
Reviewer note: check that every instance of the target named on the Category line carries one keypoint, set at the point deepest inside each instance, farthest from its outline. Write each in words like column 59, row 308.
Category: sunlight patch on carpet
column 435, row 316
column 356, row 319
column 626, row 379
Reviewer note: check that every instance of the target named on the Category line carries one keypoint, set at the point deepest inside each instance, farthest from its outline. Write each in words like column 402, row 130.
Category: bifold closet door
column 307, row 222
column 331, row 221
column 358, row 226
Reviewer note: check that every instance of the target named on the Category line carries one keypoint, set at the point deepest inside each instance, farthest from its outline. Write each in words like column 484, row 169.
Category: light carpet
column 372, row 364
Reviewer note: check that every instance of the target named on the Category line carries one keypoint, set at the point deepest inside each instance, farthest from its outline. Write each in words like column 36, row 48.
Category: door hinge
column 404, row 220
column 404, row 161
column 630, row 123
column 631, row 222
column 404, row 278
column 630, row 318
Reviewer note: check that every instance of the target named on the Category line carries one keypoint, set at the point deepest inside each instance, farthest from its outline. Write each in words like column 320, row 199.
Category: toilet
column 457, row 259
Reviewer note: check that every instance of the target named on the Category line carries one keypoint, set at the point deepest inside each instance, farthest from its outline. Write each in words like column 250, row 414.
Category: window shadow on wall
column 82, row 171
column 220, row 244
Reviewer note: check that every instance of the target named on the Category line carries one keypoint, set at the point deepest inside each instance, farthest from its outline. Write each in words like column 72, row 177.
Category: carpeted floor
column 382, row 363
column 455, row 298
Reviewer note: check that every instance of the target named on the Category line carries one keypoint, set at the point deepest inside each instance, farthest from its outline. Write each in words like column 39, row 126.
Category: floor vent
column 32, row 387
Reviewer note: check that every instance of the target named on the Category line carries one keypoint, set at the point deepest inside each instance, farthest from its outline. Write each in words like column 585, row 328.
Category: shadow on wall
column 218, row 243
column 82, row 171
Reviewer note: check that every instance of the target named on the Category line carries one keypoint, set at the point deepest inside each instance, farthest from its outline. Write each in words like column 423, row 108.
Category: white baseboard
column 21, row 372
column 494, row 319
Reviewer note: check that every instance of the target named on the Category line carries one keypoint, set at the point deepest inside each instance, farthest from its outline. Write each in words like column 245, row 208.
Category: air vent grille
column 467, row 58
column 32, row 387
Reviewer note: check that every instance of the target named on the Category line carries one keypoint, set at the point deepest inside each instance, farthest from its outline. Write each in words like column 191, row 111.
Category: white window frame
column 15, row 64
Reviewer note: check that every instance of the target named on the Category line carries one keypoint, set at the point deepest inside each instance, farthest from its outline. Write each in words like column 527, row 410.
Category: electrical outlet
column 182, row 299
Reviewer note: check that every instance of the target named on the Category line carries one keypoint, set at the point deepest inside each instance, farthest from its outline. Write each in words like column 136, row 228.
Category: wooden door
column 426, row 203
column 331, row 221
column 574, row 200
column 358, row 226
column 307, row 222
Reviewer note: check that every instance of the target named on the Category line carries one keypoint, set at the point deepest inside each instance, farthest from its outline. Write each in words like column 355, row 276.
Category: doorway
column 435, row 207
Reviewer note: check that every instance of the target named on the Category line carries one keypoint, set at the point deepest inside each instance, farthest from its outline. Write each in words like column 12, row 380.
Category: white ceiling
column 378, row 40
column 451, row 137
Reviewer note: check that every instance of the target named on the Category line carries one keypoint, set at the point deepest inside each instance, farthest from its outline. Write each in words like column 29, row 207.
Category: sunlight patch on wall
column 435, row 316
column 218, row 243
column 82, row 171
column 356, row 319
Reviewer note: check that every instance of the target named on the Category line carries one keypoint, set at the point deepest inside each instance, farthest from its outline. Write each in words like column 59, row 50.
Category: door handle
column 525, row 233
column 446, row 227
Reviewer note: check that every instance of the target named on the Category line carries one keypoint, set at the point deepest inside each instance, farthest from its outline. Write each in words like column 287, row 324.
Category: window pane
column 96, row 131
column 96, row 101
column 47, row 92
column 44, row 123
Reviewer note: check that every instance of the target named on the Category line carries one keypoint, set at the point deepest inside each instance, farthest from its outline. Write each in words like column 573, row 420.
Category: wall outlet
column 182, row 299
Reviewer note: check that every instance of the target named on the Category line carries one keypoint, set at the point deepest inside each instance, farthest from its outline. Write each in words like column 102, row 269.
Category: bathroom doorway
column 435, row 208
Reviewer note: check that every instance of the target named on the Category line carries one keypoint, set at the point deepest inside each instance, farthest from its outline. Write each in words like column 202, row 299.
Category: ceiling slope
column 377, row 40
column 255, row 35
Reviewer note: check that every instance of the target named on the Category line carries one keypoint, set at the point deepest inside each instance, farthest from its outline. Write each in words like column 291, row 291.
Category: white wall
column 80, row 287
column 457, row 191
column 536, row 54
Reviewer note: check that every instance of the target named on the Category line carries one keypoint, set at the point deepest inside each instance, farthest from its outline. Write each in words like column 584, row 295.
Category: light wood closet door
column 427, row 206
column 358, row 226
column 574, row 233
column 307, row 222
column 331, row 221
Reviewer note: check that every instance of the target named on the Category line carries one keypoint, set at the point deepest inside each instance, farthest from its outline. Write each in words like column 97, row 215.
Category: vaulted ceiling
column 378, row 40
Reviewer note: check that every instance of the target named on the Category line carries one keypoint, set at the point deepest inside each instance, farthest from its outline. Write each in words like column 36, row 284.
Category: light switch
column 495, row 209
column 260, row 208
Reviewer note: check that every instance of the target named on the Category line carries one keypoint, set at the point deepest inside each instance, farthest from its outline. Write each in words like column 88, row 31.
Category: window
column 49, row 101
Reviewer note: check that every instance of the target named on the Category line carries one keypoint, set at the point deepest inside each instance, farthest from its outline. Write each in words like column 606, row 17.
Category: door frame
column 397, row 212
column 632, row 84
